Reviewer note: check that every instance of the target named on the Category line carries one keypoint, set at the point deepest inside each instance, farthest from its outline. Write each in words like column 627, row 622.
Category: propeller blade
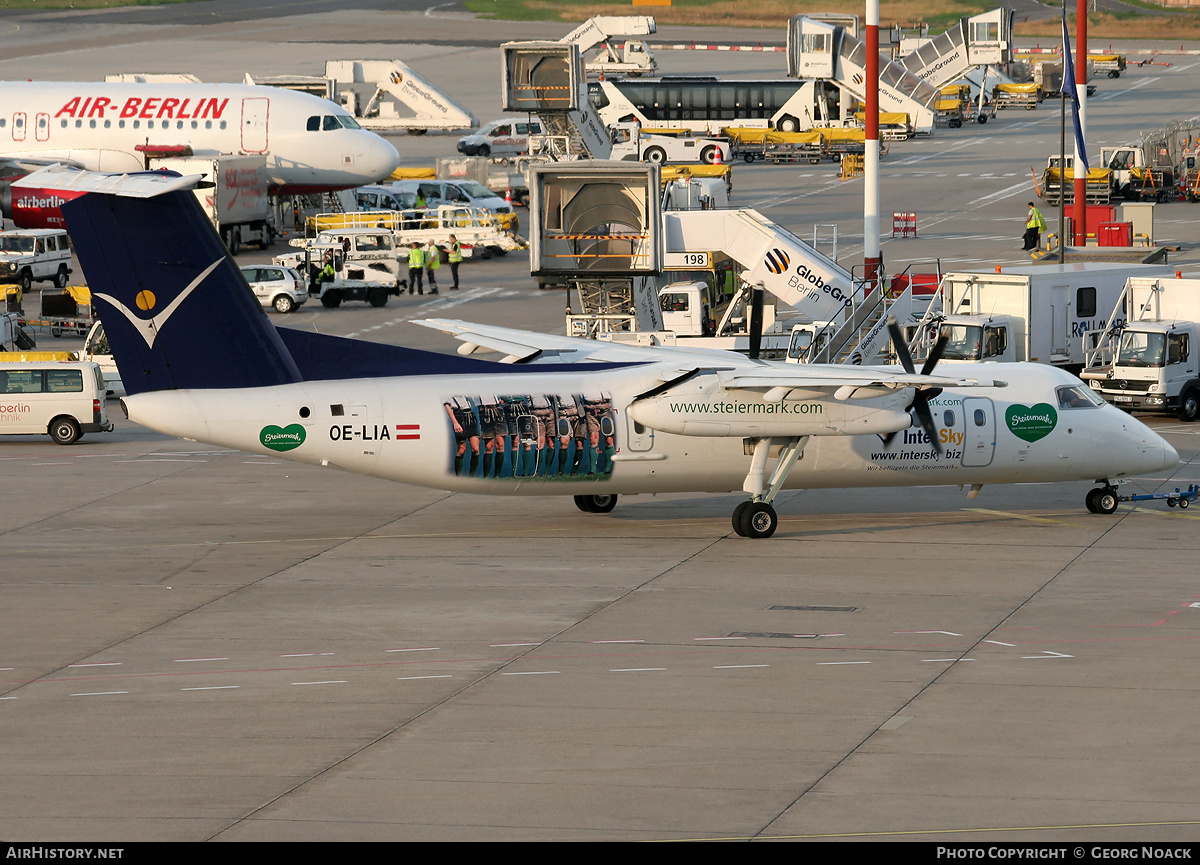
column 756, row 322
column 935, row 355
column 901, row 346
column 921, row 406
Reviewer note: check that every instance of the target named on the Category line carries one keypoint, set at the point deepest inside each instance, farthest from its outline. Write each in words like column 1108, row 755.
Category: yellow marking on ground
column 1013, row 516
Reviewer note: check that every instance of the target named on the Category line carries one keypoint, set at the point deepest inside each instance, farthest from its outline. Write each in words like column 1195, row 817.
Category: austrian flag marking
column 408, row 431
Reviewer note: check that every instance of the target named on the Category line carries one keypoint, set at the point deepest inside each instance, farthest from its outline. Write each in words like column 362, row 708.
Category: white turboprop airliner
column 200, row 360
column 310, row 144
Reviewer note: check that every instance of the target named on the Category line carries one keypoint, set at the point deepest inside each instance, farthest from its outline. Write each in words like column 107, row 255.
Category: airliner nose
column 1157, row 453
column 381, row 159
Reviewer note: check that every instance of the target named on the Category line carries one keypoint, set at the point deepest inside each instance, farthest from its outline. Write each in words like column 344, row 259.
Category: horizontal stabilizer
column 141, row 184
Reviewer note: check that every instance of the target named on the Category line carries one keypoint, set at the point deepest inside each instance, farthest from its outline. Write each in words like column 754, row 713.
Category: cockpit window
column 349, row 122
column 1077, row 396
column 330, row 122
column 314, row 124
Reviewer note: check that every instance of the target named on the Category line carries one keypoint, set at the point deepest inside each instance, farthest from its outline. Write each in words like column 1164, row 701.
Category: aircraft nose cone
column 383, row 159
column 1170, row 456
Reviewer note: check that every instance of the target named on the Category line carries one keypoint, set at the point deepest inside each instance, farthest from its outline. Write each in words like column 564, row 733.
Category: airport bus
column 706, row 104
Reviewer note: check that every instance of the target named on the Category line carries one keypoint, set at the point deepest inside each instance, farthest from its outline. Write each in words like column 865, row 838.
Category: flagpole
column 1062, row 152
column 1081, row 139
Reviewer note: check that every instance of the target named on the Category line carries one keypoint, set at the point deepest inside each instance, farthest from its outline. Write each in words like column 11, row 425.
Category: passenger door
column 979, row 432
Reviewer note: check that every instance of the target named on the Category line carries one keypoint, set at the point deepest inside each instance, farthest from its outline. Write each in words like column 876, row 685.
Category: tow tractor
column 1182, row 498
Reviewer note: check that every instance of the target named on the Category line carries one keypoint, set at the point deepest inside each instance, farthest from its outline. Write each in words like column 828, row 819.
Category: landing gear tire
column 1101, row 501
column 758, row 520
column 1189, row 407
column 596, row 504
column 738, row 513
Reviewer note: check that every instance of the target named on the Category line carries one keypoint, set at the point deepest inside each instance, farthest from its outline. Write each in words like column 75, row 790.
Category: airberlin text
column 209, row 108
column 347, row 432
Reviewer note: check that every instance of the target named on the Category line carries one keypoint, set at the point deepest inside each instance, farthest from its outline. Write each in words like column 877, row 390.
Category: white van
column 61, row 400
column 460, row 193
column 508, row 136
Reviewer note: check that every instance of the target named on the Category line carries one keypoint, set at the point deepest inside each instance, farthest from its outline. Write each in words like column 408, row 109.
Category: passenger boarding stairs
column 817, row 50
column 1099, row 346
column 971, row 44
column 799, row 276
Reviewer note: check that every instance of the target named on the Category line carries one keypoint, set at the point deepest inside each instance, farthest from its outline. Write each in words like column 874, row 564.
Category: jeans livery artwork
column 533, row 435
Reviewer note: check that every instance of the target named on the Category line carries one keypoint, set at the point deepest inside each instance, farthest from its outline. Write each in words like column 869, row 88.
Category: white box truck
column 1036, row 313
column 1145, row 360
column 238, row 202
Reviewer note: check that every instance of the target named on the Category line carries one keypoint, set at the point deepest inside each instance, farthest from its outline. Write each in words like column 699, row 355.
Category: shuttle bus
column 706, row 104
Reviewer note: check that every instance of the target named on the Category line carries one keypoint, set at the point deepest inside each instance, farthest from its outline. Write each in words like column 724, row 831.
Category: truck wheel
column 708, row 154
column 656, row 155
column 748, row 158
column 60, row 278
column 235, row 241
column 483, row 150
column 1189, row 407
column 25, row 280
column 284, row 304
column 788, row 123
column 64, row 430
column 332, row 298
column 499, row 251
column 983, row 118
column 377, row 297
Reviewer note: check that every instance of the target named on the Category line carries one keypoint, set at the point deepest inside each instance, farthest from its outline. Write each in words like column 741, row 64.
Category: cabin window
column 64, row 381
column 78, row 124
column 63, row 124
column 195, row 124
column 222, row 126
column 948, row 418
column 120, row 124
column 208, row 124
column 980, row 417
column 1085, row 302
column 1177, row 347
column 149, row 124
column 137, row 124
column 92, row 124
column 337, row 410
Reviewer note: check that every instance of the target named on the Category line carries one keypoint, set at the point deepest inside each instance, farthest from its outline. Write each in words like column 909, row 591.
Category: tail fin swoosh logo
column 149, row 328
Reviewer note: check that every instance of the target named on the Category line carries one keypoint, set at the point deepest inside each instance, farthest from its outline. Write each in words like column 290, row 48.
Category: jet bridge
column 816, row 50
column 547, row 79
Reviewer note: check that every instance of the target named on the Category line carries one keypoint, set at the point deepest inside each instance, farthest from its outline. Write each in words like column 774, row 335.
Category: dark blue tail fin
column 175, row 308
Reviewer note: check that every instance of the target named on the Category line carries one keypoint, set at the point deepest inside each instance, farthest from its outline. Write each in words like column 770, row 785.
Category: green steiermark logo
column 282, row 438
column 1031, row 422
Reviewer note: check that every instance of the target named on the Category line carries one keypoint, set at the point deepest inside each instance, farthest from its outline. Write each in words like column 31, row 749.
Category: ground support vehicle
column 1154, row 173
column 460, row 193
column 499, row 177
column 352, row 280
column 768, row 145
column 1017, row 95
column 477, row 230
column 839, row 142
column 67, row 313
column 96, row 350
column 61, row 400
column 1110, row 64
column 1098, row 188
column 238, row 203
column 1147, row 359
column 278, row 288
column 35, row 255
column 1036, row 313
column 635, row 57
column 676, row 172
column 893, row 125
column 631, row 142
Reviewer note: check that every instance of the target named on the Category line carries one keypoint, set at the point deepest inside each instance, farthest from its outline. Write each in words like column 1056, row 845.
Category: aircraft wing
column 796, row 376
column 523, row 346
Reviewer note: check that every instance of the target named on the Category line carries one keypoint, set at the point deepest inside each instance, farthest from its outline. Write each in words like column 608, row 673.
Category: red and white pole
column 1081, row 93
column 872, row 259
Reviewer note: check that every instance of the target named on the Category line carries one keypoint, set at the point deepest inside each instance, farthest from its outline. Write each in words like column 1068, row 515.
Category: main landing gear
column 757, row 518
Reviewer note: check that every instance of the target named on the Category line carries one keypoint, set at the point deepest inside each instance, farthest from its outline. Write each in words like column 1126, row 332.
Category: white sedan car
column 277, row 287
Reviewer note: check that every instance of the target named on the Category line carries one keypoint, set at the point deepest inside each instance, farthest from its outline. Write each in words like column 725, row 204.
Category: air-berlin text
column 209, row 108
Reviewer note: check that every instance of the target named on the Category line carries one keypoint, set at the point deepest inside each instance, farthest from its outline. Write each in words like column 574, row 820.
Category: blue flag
column 1068, row 85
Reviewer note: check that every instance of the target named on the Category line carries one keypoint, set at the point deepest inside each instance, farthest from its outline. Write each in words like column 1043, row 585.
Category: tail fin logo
column 145, row 301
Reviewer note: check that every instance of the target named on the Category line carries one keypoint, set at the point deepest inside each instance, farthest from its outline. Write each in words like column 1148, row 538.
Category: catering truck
column 1144, row 360
column 1036, row 313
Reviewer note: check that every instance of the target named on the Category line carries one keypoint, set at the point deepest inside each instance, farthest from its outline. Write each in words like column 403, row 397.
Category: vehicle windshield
column 963, row 341
column 1141, row 349
column 16, row 244
column 475, row 190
